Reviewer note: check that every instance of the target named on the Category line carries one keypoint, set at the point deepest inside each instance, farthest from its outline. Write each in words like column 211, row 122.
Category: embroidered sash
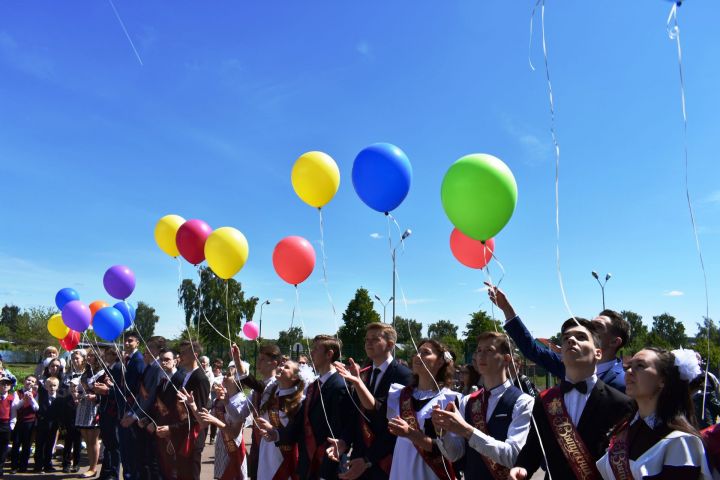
column 478, row 412
column 236, row 455
column 567, row 436
column 618, row 455
column 433, row 459
column 288, row 467
column 314, row 451
column 368, row 436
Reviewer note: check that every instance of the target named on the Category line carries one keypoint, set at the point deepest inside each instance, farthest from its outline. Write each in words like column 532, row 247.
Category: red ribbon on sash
column 433, row 459
column 368, row 436
column 572, row 445
column 314, row 452
column 288, row 467
column 477, row 406
column 619, row 455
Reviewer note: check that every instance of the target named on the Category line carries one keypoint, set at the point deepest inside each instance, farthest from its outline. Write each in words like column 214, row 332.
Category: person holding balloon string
column 112, row 402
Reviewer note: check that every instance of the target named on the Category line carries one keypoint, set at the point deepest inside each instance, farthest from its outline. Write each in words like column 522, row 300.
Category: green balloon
column 479, row 194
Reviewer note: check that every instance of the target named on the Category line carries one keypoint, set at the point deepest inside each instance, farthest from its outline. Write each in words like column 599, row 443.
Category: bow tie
column 566, row 386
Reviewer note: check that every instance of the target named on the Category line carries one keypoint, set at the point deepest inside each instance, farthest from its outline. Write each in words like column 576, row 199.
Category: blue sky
column 95, row 148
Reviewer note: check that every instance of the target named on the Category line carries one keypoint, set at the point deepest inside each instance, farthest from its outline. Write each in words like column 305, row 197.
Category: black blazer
column 50, row 413
column 168, row 396
column 604, row 409
column 384, row 443
column 340, row 414
column 199, row 386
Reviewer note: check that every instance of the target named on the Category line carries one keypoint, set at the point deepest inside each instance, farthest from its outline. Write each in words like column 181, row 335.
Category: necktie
column 373, row 380
column 566, row 386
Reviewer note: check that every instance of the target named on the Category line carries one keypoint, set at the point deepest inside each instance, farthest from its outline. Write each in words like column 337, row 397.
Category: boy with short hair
column 27, row 407
column 48, row 417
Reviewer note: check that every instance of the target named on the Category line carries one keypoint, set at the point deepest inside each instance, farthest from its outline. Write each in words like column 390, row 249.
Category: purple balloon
column 76, row 316
column 119, row 281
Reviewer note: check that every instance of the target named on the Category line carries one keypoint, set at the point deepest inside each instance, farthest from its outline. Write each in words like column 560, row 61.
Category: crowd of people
column 150, row 415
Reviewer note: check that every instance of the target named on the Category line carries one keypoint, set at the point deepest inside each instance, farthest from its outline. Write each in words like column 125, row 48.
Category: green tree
column 359, row 313
column 405, row 328
column 31, row 327
column 290, row 337
column 480, row 322
column 667, row 332
column 700, row 343
column 213, row 307
column 145, row 320
column 9, row 317
column 638, row 332
column 442, row 329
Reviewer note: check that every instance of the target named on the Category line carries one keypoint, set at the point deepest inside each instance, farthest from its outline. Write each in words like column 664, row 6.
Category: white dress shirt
column 575, row 401
column 502, row 452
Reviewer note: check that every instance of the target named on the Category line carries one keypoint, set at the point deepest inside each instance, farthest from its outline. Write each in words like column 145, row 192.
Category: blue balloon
column 64, row 296
column 108, row 323
column 381, row 175
column 128, row 313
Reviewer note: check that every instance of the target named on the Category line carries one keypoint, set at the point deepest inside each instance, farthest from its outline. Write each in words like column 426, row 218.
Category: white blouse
column 407, row 462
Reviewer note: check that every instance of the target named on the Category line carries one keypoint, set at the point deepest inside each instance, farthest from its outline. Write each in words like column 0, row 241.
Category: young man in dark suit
column 372, row 443
column 326, row 412
column 133, row 367
column 48, row 420
column 189, row 437
column 612, row 329
column 574, row 418
column 112, row 402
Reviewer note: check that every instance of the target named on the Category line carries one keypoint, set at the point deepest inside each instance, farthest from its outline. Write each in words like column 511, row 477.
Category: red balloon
column 470, row 252
column 294, row 259
column 190, row 240
column 70, row 341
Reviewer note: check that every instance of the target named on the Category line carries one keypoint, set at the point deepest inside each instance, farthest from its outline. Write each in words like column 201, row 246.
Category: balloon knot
column 387, row 213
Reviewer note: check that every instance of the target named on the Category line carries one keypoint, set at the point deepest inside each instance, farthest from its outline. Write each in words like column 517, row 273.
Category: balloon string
column 127, row 35
column 334, row 313
column 673, row 29
column 179, row 263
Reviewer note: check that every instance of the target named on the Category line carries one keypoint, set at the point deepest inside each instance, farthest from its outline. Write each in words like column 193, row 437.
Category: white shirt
column 324, row 377
column 502, row 452
column 383, row 368
column 575, row 401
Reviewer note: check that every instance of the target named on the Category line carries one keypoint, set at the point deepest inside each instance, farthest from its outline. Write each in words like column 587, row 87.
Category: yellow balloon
column 315, row 178
column 226, row 251
column 57, row 328
column 165, row 231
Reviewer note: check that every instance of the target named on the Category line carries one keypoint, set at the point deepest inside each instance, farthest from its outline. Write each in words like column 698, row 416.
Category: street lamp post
column 602, row 284
column 266, row 302
column 384, row 304
column 405, row 235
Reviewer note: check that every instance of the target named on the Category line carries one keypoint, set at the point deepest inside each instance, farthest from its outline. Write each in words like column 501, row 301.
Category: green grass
column 21, row 370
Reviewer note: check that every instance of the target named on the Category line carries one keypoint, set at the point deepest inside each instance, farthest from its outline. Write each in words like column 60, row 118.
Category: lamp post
column 602, row 284
column 266, row 302
column 384, row 304
column 405, row 235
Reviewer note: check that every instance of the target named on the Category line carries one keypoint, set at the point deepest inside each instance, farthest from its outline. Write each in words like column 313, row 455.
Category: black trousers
column 188, row 468
column 111, row 458
column 22, row 439
column 73, row 440
column 148, row 467
column 5, row 434
column 44, row 442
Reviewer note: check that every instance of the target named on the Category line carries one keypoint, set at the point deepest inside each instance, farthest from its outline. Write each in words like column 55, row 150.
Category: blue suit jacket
column 551, row 361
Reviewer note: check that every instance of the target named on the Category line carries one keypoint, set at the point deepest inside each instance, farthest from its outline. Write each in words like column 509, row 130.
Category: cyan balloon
column 128, row 313
column 108, row 323
column 381, row 176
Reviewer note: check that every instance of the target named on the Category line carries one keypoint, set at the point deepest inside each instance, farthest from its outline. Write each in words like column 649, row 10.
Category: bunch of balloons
column 225, row 249
column 106, row 321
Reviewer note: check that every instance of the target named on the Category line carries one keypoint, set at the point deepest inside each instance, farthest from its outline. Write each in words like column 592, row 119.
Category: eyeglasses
column 165, row 359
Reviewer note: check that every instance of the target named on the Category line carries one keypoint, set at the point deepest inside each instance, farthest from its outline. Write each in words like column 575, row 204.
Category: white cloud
column 536, row 150
column 363, row 48
column 481, row 289
column 714, row 197
column 674, row 293
column 277, row 300
column 375, row 236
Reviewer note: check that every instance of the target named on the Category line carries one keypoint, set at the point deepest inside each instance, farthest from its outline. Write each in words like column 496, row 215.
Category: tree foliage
column 701, row 345
column 442, row 329
column 480, row 322
column 638, row 333
column 145, row 320
column 290, row 337
column 667, row 332
column 359, row 313
column 215, row 304
column 9, row 317
column 405, row 327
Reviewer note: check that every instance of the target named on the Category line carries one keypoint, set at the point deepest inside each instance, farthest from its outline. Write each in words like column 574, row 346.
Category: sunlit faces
column 430, row 357
column 51, row 385
column 321, row 356
column 54, row 367
column 5, row 387
column 131, row 344
column 167, row 361
column 376, row 345
column 266, row 364
column 30, row 382
column 110, row 356
column 488, row 359
column 230, row 386
column 287, row 374
column 603, row 325
column 578, row 346
column 642, row 379
column 78, row 361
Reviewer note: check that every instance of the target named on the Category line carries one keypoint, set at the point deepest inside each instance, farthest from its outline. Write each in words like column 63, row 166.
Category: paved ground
column 207, row 467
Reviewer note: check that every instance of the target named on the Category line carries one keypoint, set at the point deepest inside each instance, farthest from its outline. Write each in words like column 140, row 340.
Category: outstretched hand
column 499, row 298
column 350, row 373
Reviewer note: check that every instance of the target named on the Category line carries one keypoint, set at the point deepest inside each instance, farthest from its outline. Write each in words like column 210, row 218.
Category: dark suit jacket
column 134, row 368
column 384, row 443
column 340, row 415
column 551, row 361
column 199, row 386
column 50, row 413
column 605, row 408
column 150, row 381
column 114, row 402
column 168, row 396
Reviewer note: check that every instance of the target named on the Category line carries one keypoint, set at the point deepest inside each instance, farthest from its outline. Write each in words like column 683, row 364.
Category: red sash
column 618, row 455
column 368, row 436
column 288, row 467
column 314, row 451
column 567, row 436
column 433, row 459
column 477, row 406
column 236, row 454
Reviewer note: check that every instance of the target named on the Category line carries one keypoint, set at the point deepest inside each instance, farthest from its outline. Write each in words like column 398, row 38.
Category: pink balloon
column 190, row 240
column 471, row 253
column 251, row 330
column 294, row 259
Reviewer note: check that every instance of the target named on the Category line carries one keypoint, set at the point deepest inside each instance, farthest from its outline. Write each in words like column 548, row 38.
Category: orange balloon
column 95, row 306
